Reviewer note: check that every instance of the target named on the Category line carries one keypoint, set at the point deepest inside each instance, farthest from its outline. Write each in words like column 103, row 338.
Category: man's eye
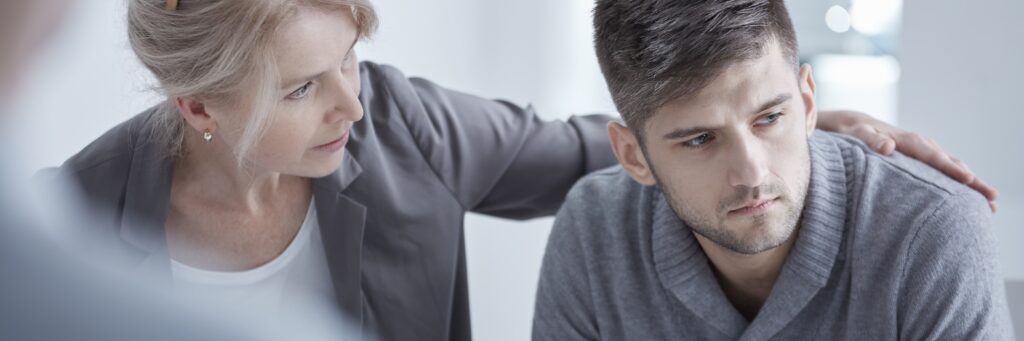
column 769, row 119
column 301, row 92
column 699, row 141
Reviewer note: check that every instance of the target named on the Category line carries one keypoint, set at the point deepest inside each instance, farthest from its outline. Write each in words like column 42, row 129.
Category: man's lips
column 754, row 207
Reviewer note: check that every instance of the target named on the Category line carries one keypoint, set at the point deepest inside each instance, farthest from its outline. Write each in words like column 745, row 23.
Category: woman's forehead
column 313, row 40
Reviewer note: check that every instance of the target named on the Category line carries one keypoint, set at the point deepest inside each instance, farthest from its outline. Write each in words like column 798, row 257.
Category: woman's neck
column 212, row 170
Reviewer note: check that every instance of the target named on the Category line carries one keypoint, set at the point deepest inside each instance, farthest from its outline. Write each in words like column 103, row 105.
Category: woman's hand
column 885, row 138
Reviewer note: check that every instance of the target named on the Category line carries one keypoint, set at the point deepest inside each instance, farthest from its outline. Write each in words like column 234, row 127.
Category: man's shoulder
column 605, row 193
column 930, row 238
column 606, row 208
column 917, row 240
column 898, row 183
column 905, row 208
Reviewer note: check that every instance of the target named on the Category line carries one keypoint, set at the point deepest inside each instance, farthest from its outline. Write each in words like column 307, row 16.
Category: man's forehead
column 742, row 87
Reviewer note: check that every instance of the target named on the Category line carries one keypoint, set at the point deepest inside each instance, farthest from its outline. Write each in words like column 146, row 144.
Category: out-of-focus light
column 872, row 17
column 863, row 83
column 860, row 70
column 837, row 19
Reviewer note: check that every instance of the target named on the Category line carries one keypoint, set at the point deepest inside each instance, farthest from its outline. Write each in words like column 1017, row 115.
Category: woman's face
column 317, row 98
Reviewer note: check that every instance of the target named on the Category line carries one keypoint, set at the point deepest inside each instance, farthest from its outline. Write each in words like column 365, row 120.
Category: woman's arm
column 502, row 159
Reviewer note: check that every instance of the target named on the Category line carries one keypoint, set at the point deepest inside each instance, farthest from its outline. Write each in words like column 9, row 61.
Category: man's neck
column 746, row 280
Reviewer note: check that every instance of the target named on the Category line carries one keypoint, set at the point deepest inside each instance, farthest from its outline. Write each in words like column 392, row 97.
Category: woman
column 279, row 167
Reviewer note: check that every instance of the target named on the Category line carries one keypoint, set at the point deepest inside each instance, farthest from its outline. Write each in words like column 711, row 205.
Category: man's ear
column 631, row 157
column 807, row 94
column 195, row 114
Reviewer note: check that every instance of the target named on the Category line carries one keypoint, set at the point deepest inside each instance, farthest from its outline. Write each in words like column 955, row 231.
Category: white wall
column 86, row 82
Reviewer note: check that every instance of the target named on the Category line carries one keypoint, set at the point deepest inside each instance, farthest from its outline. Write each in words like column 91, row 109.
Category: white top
column 296, row 283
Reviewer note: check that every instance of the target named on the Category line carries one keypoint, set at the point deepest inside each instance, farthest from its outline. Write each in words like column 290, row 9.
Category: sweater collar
column 684, row 270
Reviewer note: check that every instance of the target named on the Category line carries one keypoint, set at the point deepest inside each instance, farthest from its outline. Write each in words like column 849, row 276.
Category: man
column 731, row 218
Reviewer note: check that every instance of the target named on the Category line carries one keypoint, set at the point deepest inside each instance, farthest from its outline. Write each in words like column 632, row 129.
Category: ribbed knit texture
column 887, row 249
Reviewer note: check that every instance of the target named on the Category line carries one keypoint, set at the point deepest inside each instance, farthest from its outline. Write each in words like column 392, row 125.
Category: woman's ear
column 630, row 155
column 807, row 94
column 195, row 114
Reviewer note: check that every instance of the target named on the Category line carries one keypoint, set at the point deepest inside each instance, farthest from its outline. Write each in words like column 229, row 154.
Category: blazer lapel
column 342, row 220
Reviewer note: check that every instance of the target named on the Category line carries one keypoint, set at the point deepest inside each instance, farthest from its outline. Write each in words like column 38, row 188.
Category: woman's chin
column 325, row 167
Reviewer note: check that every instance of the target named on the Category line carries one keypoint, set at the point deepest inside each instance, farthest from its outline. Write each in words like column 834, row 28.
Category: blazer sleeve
column 496, row 157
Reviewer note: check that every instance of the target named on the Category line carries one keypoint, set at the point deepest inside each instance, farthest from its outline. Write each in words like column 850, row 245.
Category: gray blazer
column 391, row 216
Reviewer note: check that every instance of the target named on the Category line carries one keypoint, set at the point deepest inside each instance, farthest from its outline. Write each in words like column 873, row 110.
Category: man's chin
column 756, row 240
column 754, row 249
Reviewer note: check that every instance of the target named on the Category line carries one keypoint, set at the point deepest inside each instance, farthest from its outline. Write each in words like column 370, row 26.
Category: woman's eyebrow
column 303, row 80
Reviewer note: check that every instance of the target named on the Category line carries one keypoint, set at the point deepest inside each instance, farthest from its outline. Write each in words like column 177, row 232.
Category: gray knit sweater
column 888, row 249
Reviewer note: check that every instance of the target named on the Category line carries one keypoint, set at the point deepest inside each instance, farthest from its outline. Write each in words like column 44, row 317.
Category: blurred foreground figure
column 51, row 292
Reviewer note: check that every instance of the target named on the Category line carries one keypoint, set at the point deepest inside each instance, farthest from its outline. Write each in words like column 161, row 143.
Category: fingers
column 990, row 193
column 963, row 166
column 885, row 139
column 920, row 148
column 886, row 147
column 928, row 151
column 961, row 173
column 877, row 140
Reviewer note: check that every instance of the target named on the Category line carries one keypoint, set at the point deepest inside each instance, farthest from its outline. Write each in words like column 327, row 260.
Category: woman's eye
column 769, row 119
column 301, row 92
column 699, row 141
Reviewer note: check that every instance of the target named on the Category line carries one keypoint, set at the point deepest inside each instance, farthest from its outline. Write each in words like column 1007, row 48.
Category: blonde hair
column 211, row 49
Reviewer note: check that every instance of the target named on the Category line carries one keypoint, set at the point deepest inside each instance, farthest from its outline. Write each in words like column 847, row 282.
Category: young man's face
column 733, row 159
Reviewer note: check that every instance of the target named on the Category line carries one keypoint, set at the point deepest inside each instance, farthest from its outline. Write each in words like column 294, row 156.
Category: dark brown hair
column 654, row 51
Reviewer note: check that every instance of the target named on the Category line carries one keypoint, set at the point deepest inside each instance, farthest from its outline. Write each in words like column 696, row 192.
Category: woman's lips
column 333, row 146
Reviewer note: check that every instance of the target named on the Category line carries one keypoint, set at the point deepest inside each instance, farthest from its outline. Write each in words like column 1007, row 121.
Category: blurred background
column 950, row 70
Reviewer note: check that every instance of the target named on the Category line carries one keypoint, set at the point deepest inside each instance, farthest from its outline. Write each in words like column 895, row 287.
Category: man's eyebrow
column 779, row 99
column 306, row 79
column 685, row 132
